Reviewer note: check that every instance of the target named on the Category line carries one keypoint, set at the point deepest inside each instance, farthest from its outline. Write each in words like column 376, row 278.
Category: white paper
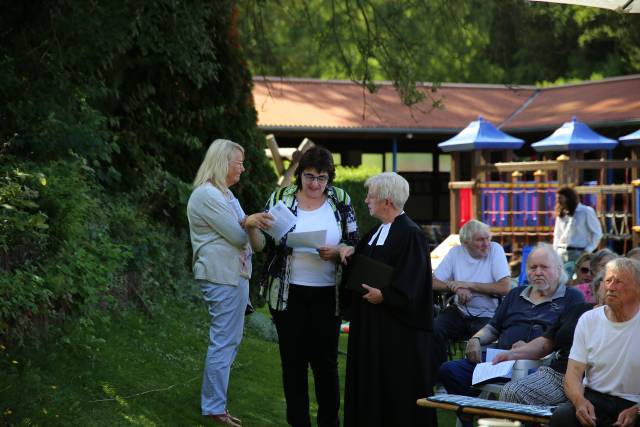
column 486, row 371
column 307, row 239
column 283, row 220
column 493, row 352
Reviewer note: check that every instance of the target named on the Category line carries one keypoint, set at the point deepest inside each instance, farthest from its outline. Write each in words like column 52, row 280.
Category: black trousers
column 451, row 324
column 308, row 332
column 607, row 408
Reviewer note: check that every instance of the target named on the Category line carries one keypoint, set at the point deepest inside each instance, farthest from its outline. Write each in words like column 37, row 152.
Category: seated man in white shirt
column 606, row 350
column 478, row 273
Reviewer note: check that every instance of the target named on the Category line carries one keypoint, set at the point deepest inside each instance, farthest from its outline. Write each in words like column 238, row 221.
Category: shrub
column 352, row 181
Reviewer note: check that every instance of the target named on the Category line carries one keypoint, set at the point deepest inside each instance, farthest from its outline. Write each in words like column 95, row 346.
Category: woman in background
column 220, row 234
column 583, row 279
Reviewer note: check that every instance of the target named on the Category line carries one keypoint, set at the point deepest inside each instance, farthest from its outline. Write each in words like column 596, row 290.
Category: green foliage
column 112, row 106
column 143, row 371
column 23, row 229
column 475, row 41
column 92, row 254
column 352, row 181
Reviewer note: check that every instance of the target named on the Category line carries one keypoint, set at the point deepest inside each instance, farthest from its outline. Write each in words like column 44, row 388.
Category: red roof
column 329, row 104
column 610, row 101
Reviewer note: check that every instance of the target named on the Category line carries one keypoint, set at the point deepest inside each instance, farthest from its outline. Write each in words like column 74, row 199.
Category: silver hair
column 563, row 278
column 472, row 227
column 624, row 265
column 633, row 252
column 595, row 286
column 597, row 257
column 389, row 185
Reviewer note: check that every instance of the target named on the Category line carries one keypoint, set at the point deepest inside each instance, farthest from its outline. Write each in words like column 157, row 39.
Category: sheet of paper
column 486, row 371
column 307, row 239
column 283, row 220
column 493, row 352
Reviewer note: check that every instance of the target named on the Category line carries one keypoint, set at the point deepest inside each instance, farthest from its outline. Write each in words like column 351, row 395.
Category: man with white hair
column 478, row 273
column 523, row 315
column 602, row 380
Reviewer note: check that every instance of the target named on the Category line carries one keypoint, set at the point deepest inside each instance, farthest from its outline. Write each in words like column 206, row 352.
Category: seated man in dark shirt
column 524, row 314
column 544, row 387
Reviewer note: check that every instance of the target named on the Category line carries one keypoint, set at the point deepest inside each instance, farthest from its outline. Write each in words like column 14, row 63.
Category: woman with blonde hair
column 221, row 234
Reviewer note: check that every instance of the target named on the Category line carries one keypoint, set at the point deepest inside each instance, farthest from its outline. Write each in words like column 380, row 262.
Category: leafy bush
column 23, row 228
column 352, row 181
column 92, row 252
column 112, row 105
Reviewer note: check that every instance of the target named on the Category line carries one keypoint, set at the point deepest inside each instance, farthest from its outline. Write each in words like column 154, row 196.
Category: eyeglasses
column 238, row 162
column 322, row 179
column 585, row 270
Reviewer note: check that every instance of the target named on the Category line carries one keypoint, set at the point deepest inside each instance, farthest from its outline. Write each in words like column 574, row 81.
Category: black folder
column 363, row 269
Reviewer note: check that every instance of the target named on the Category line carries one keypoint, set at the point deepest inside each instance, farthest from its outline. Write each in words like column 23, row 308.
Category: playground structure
column 517, row 199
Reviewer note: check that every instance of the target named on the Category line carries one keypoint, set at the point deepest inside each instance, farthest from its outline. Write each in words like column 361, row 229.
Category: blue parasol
column 632, row 139
column 481, row 135
column 574, row 136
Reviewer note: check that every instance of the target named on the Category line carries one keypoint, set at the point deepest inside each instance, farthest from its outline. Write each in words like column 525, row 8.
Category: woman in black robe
column 390, row 330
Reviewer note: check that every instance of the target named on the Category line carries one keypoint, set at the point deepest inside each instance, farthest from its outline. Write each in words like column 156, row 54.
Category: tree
column 499, row 41
column 106, row 110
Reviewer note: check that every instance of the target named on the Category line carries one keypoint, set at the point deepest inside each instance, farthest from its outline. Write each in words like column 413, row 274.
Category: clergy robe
column 387, row 358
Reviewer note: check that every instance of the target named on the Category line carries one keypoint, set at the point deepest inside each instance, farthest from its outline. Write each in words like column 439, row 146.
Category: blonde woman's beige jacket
column 217, row 239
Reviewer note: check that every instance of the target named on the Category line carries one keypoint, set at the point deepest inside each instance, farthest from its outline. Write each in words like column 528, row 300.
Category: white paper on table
column 283, row 220
column 307, row 239
column 486, row 371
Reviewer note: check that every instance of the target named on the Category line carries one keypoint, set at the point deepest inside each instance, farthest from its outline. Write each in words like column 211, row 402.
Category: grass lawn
column 141, row 371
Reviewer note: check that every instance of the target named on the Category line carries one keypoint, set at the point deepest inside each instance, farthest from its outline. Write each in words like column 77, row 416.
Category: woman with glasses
column 220, row 236
column 301, row 289
column 583, row 277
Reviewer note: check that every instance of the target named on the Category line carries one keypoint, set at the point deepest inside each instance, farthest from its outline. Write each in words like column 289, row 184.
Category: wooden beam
column 454, row 202
column 607, row 164
column 522, row 166
column 275, row 154
column 461, row 184
column 604, row 189
column 286, row 177
column 553, row 165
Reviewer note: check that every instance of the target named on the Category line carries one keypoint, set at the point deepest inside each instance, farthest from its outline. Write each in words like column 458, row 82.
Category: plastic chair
column 526, row 250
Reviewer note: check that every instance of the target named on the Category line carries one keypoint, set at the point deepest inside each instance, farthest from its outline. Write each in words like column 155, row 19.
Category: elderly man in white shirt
column 477, row 272
column 602, row 380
